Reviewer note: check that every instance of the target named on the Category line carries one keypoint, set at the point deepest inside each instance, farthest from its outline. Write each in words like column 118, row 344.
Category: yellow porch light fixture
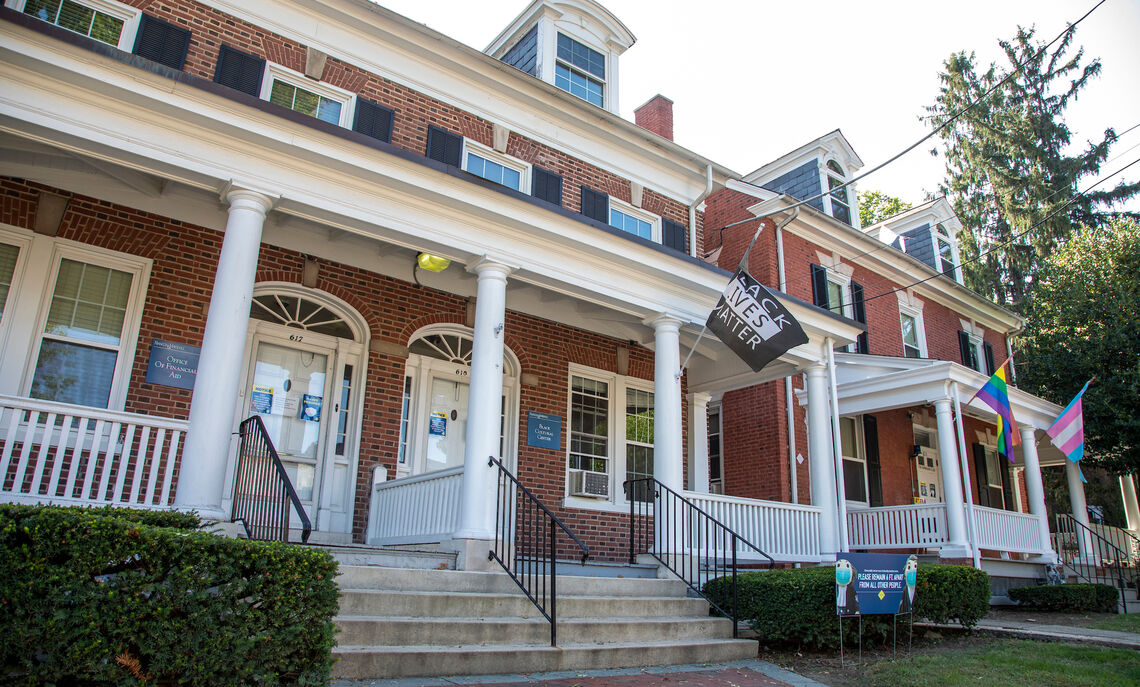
column 432, row 263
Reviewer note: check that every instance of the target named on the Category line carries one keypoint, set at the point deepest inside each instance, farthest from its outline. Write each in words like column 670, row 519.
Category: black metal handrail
column 263, row 492
column 692, row 544
column 1099, row 560
column 526, row 546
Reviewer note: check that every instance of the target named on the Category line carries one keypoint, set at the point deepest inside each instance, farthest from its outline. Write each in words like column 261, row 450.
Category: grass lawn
column 1120, row 623
column 1012, row 663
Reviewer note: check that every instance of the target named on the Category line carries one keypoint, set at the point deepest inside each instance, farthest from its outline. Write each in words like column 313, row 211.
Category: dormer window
column 580, row 71
column 840, row 206
column 947, row 252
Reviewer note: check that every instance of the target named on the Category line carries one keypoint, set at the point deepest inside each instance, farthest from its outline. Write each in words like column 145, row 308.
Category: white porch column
column 477, row 496
column 1131, row 508
column 1080, row 508
column 699, row 442
column 202, row 474
column 956, row 545
column 822, row 466
column 1034, row 488
column 667, row 454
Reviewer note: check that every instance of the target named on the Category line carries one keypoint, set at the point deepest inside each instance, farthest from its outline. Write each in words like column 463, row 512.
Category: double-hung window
column 493, row 166
column 854, row 461
column 301, row 94
column 716, row 461
column 107, row 22
column 838, row 197
column 580, row 70
column 946, row 252
column 912, row 345
column 610, row 436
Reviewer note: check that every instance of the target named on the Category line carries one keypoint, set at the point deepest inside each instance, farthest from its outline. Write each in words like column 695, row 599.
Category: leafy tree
column 1084, row 322
column 876, row 206
column 1008, row 163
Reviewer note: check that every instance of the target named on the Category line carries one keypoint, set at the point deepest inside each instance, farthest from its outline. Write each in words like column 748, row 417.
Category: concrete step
column 404, row 579
column 391, row 631
column 361, row 556
column 443, row 604
column 370, row 662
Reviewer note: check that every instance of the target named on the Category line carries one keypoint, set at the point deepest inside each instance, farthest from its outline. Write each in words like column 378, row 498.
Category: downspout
column 693, row 211
column 836, row 431
column 788, row 397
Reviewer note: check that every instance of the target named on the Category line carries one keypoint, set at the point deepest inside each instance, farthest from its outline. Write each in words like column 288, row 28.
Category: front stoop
column 416, row 623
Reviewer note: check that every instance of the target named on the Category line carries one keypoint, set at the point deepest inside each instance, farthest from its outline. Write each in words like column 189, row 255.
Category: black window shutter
column 819, row 286
column 162, row 42
column 863, row 343
column 444, row 146
column 674, row 235
column 595, row 205
column 239, row 70
column 546, row 185
column 372, row 119
column 988, row 349
column 969, row 356
column 980, row 476
column 874, row 469
column 1006, row 484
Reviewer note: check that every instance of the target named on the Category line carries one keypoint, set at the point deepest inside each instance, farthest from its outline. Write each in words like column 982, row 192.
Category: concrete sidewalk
column 1062, row 633
column 750, row 673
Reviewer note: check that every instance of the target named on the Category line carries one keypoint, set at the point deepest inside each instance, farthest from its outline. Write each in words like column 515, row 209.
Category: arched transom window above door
column 300, row 313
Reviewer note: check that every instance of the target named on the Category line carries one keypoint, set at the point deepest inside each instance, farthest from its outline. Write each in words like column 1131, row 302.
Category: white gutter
column 693, row 210
column 788, row 393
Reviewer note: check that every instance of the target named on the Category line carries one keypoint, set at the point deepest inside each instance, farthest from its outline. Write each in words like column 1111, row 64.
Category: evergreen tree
column 1008, row 167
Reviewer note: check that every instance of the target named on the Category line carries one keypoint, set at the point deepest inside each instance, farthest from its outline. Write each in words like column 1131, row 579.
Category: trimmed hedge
column 798, row 605
column 1078, row 598
column 106, row 597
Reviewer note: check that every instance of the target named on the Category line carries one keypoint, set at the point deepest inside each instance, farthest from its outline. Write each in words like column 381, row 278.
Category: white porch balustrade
column 1004, row 530
column 74, row 455
column 787, row 532
column 898, row 527
column 416, row 510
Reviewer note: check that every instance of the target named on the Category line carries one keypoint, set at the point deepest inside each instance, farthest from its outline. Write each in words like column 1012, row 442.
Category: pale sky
column 751, row 80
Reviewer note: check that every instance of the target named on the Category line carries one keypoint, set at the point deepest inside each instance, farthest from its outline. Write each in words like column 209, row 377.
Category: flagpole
column 962, row 459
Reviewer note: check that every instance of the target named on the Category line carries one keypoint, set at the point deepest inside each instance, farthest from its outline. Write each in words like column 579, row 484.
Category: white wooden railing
column 915, row 526
column 1004, row 530
column 416, row 510
column 75, row 455
column 785, row 531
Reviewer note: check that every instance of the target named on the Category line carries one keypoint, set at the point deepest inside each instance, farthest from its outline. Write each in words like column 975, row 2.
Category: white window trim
column 637, row 213
column 44, row 259
column 718, row 408
column 860, row 457
column 274, row 71
column 920, row 328
column 128, row 14
column 493, row 155
column 22, row 240
column 618, row 384
column 852, row 212
column 953, row 241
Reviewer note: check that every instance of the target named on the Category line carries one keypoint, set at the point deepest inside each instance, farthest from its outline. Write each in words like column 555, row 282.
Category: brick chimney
column 656, row 116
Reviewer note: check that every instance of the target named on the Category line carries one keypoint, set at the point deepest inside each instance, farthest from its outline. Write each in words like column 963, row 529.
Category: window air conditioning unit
column 594, row 485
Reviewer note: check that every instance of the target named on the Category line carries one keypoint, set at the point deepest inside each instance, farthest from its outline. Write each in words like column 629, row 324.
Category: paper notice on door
column 292, row 404
column 262, row 399
column 437, row 424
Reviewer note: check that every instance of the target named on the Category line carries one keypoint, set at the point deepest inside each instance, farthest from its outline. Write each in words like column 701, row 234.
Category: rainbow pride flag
column 995, row 394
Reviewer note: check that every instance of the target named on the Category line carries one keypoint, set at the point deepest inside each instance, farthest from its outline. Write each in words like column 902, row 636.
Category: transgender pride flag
column 1068, row 431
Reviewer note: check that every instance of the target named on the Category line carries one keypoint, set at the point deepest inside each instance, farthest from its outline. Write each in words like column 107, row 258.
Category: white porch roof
column 874, row 383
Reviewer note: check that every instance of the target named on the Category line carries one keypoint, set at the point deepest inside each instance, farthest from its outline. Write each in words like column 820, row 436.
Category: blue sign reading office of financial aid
column 172, row 364
column 543, row 431
column 875, row 583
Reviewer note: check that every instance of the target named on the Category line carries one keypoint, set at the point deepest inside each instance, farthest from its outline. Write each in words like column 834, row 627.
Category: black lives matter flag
column 750, row 320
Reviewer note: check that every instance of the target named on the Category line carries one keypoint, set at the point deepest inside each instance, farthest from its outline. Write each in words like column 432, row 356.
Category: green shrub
column 91, row 597
column 798, row 605
column 152, row 518
column 1078, row 598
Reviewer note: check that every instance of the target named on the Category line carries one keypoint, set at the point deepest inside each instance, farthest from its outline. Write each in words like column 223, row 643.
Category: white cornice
column 831, row 145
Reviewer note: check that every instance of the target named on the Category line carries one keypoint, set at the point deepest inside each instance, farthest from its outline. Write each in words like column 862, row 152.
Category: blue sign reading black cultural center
column 543, row 431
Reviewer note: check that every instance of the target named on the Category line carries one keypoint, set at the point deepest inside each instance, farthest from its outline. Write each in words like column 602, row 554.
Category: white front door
column 446, row 423
column 289, row 388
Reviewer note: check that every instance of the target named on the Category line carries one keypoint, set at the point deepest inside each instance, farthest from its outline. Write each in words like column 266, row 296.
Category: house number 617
column 296, row 337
